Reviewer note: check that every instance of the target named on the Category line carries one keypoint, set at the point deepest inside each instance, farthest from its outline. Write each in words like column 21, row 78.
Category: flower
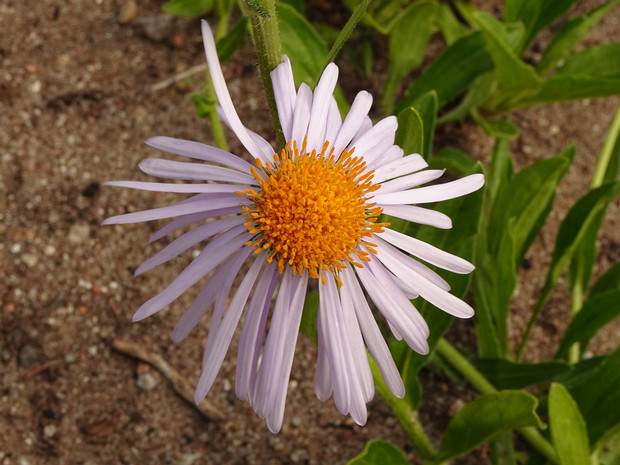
column 308, row 212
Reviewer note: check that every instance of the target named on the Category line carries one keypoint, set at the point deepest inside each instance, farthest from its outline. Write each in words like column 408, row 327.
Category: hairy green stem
column 405, row 414
column 266, row 37
column 454, row 357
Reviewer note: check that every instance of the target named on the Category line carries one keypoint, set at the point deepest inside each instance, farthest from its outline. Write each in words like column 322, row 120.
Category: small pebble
column 49, row 430
column 49, row 250
column 146, row 381
column 79, row 233
column 92, row 350
column 30, row 259
column 128, row 11
column 69, row 357
column 23, row 461
column 28, row 356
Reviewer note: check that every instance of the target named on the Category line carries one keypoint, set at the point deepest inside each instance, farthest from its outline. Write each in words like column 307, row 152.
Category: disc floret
column 312, row 210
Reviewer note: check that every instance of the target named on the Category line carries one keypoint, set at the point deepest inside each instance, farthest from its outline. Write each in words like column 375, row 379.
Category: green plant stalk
column 576, row 304
column 608, row 147
column 405, row 414
column 266, row 37
column 454, row 357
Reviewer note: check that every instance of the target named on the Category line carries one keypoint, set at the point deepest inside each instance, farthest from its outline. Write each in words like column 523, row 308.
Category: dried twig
column 178, row 77
column 180, row 384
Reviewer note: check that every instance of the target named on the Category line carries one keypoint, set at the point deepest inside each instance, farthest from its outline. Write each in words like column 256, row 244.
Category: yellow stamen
column 313, row 210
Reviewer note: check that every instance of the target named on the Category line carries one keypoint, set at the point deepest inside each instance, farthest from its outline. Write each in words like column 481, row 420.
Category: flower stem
column 216, row 124
column 266, row 37
column 454, row 357
column 405, row 414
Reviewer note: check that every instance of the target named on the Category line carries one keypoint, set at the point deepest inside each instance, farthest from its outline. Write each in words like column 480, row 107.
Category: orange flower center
column 312, row 211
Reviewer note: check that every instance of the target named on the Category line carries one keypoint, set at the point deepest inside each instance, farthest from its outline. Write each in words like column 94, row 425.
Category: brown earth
column 76, row 103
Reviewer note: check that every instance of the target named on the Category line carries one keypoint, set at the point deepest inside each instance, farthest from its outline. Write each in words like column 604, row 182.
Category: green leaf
column 308, row 325
column 478, row 93
column 234, row 40
column 452, row 71
column 598, row 396
column 502, row 129
column 539, row 15
column 609, row 281
column 505, row 374
column 450, row 27
column 452, row 160
column 526, row 198
column 301, row 41
column 501, row 169
column 189, row 8
column 568, row 429
column 410, row 131
column 600, row 61
column 595, row 313
column 515, row 79
column 202, row 104
column 571, row 33
column 378, row 452
column 426, row 106
column 413, row 29
column 578, row 229
column 484, row 418
column 346, row 31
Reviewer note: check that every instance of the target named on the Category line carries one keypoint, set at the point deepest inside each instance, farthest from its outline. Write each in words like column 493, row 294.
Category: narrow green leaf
column 595, row 313
column 426, row 106
column 598, row 396
column 346, row 31
column 568, row 429
column 571, row 33
column 609, row 281
column 484, row 418
column 308, row 325
column 478, row 93
column 516, row 79
column 202, row 104
column 234, row 40
column 451, row 28
column 452, row 160
column 413, row 29
column 189, row 8
column 452, row 71
column 501, row 169
column 539, row 15
column 600, row 61
column 505, row 374
column 502, row 129
column 378, row 452
column 410, row 131
column 300, row 40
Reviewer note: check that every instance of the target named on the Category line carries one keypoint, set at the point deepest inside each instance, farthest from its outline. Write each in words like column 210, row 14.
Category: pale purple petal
column 377, row 140
column 400, row 167
column 262, row 151
column 190, row 218
column 222, row 335
column 409, row 181
column 425, row 288
column 427, row 252
column 285, row 95
column 392, row 154
column 363, row 129
column 189, row 239
column 275, row 416
column 213, row 202
column 191, row 149
column 322, row 375
column 203, row 264
column 377, row 346
column 334, row 122
column 320, row 107
column 353, row 121
column 222, row 279
column 253, row 330
column 179, row 188
column 162, row 168
column 418, row 215
column 301, row 114
column 437, row 193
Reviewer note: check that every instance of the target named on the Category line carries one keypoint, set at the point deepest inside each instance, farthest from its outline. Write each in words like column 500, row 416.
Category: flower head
column 307, row 213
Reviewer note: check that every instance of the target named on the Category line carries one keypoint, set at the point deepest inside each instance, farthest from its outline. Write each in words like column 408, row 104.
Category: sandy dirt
column 76, row 103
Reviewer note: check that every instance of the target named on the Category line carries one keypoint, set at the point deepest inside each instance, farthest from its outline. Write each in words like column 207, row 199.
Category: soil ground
column 76, row 104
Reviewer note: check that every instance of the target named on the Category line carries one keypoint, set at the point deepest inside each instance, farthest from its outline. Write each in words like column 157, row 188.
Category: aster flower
column 306, row 213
